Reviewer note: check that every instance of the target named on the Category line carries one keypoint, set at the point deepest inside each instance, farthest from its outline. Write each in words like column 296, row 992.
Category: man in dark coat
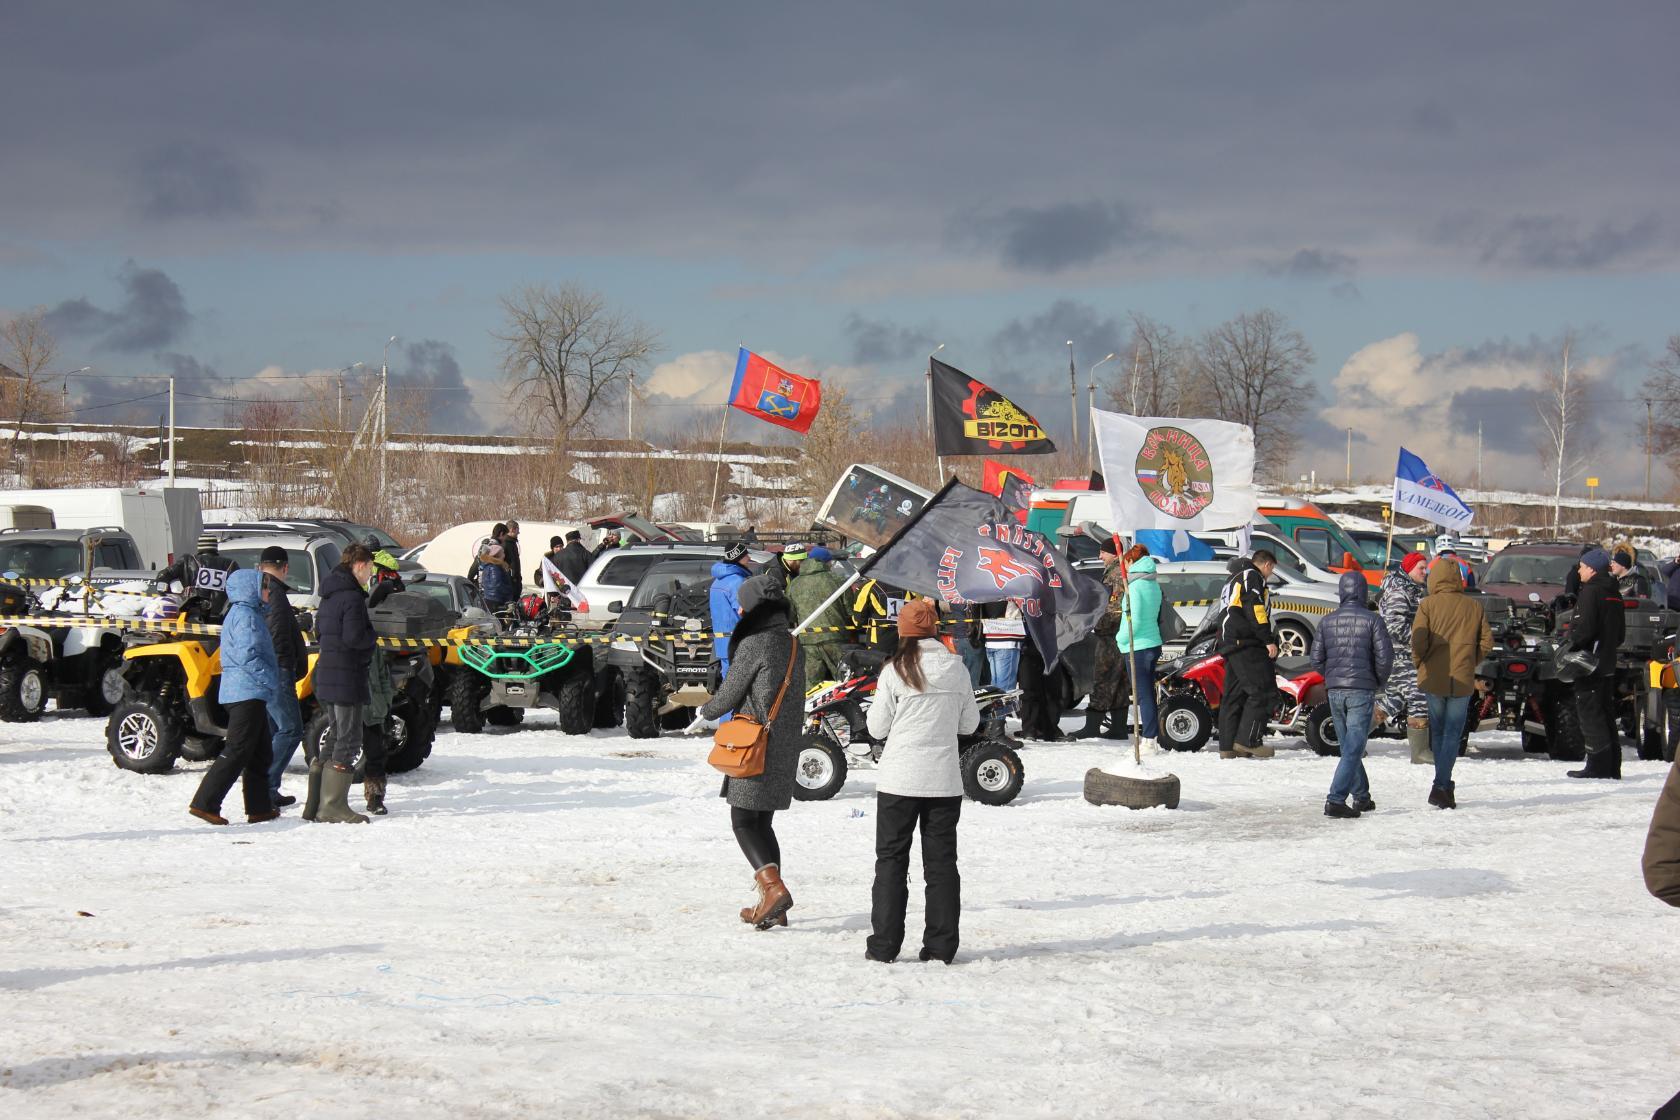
column 1354, row 652
column 1670, row 570
column 1599, row 627
column 285, row 719
column 1249, row 646
column 1633, row 583
column 574, row 559
column 1106, row 713
column 510, row 552
column 204, row 577
column 341, row 683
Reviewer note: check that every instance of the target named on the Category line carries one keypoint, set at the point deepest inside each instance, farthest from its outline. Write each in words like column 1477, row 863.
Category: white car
column 1297, row 602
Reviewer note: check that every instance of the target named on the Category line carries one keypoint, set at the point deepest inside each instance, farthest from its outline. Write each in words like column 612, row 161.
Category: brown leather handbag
column 740, row 742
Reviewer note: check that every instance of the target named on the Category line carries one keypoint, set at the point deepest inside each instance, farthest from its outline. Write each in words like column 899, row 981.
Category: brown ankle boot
column 774, row 901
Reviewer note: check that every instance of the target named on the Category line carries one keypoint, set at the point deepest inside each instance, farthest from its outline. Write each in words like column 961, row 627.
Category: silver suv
column 616, row 572
column 311, row 556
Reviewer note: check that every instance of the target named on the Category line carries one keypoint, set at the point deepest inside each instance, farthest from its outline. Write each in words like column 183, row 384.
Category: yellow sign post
column 1592, row 487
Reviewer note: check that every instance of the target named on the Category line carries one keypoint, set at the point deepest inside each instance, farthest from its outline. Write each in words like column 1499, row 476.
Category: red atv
column 1189, row 688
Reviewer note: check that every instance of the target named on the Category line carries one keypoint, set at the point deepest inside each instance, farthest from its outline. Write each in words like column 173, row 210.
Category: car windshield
column 40, row 559
column 1530, row 567
column 667, row 577
column 434, row 589
column 300, row 575
column 386, row 540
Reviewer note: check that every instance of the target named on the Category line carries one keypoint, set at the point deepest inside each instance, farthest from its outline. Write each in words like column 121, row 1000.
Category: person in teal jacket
column 1139, row 641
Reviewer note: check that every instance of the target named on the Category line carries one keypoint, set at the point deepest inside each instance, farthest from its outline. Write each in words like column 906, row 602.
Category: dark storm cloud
column 430, row 368
column 200, row 392
column 1508, row 416
column 191, row 180
column 1558, row 244
column 1043, row 338
column 1311, row 264
column 152, row 314
column 1053, row 238
column 878, row 342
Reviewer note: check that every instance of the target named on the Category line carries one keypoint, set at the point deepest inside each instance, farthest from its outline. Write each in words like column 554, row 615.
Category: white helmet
column 1446, row 542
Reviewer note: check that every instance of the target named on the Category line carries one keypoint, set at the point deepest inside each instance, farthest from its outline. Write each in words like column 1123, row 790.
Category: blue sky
column 1439, row 192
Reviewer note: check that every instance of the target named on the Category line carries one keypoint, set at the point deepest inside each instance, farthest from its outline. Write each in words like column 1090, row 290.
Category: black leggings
column 753, row 831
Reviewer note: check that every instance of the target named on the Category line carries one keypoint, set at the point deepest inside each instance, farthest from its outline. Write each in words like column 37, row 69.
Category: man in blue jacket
column 727, row 576
column 250, row 679
column 1354, row 653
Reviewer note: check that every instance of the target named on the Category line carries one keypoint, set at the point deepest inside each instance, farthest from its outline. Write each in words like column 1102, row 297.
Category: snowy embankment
column 546, row 926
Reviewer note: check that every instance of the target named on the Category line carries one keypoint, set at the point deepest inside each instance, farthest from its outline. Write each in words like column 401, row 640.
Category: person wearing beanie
column 1630, row 581
column 728, row 575
column 1599, row 627
column 766, row 681
column 923, row 704
column 494, row 581
column 1450, row 637
column 1398, row 600
column 786, row 564
column 204, row 578
column 1110, row 700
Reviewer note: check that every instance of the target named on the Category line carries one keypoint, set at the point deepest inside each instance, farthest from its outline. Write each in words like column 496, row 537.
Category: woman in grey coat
column 759, row 653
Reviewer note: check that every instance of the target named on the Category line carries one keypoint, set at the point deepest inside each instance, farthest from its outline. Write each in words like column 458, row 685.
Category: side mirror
column 616, row 607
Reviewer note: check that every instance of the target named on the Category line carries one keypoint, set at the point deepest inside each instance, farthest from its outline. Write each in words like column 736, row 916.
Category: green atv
column 495, row 685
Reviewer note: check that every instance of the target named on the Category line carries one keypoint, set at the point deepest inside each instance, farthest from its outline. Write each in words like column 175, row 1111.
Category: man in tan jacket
column 1662, row 872
column 1450, row 637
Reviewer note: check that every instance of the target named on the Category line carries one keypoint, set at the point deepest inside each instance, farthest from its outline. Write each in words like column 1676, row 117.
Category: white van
column 163, row 520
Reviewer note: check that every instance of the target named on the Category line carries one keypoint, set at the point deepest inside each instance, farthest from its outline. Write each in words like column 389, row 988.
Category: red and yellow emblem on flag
column 773, row 394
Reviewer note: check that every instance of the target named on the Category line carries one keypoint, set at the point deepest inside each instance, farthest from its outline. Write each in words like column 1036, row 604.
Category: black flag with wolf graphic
column 972, row 418
column 965, row 547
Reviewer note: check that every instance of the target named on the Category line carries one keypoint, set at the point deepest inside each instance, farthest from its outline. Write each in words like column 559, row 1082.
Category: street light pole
column 346, row 369
column 1073, row 402
column 384, row 414
column 1090, row 406
column 171, row 431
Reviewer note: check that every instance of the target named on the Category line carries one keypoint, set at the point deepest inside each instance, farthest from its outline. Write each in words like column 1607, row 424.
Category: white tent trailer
column 163, row 520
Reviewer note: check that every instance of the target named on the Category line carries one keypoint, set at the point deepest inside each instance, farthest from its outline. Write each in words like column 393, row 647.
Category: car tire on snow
column 143, row 738
column 992, row 773
column 1186, row 722
column 1293, row 640
column 1103, row 788
column 23, row 690
column 820, row 771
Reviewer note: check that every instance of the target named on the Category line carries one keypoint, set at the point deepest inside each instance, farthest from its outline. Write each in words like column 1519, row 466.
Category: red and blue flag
column 773, row 394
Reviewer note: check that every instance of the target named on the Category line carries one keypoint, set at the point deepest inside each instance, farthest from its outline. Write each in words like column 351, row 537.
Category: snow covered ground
column 546, row 926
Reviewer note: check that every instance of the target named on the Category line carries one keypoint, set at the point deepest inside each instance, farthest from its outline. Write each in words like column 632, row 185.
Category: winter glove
column 701, row 723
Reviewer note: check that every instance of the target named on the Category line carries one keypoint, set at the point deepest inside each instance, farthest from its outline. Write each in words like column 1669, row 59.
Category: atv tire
column 467, row 690
column 142, row 737
column 820, row 771
column 419, row 730
column 23, row 690
column 609, row 699
column 504, row 716
column 641, row 704
column 576, row 695
column 992, row 773
column 1186, row 723
column 108, row 688
column 1564, row 741
column 1321, row 732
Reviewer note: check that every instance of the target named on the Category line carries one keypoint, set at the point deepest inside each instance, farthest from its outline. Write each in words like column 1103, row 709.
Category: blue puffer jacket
column 726, row 604
column 496, row 583
column 1352, row 648
column 250, row 671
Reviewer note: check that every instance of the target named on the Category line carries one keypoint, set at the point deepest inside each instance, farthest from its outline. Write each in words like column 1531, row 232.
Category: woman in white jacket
column 922, row 703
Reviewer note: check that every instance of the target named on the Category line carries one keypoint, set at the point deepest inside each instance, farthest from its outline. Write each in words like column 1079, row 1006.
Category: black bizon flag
column 965, row 547
column 972, row 418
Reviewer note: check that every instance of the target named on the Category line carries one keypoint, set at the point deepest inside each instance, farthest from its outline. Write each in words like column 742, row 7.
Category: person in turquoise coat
column 1139, row 641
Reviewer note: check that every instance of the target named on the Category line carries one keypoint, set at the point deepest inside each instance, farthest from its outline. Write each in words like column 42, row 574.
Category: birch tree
column 1563, row 411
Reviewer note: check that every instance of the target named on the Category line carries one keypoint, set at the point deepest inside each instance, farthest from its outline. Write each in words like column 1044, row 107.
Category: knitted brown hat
column 918, row 618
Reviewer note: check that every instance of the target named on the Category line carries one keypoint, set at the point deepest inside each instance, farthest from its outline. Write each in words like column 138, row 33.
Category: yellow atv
column 171, row 709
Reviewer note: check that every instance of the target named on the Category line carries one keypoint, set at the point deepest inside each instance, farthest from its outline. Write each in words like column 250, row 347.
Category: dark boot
column 1442, row 798
column 1340, row 809
column 1115, row 726
column 312, row 797
column 1365, row 806
column 206, row 815
column 1601, row 764
column 335, row 797
column 373, row 792
column 774, row 900
column 1093, row 724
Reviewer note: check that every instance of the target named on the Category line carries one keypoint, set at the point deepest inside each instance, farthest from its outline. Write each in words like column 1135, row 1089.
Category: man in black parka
column 1599, row 627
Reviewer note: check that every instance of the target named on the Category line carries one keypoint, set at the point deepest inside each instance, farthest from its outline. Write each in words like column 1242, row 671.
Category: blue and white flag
column 1419, row 492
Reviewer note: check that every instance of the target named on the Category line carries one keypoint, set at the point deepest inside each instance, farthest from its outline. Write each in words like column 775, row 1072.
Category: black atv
column 662, row 649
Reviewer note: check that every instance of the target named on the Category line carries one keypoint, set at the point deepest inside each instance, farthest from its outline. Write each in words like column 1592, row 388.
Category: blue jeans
column 1446, row 729
column 1351, row 709
column 1004, row 660
column 285, row 725
column 973, row 659
column 1142, row 663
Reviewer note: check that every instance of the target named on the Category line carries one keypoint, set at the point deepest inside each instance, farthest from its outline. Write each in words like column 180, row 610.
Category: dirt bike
column 837, row 737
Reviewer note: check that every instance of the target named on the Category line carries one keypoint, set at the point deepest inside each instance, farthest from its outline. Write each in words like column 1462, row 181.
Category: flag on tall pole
column 972, row 418
column 1419, row 492
column 964, row 548
column 773, row 394
column 1168, row 473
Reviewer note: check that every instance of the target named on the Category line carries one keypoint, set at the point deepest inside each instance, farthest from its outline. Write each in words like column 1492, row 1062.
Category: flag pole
column 1388, row 555
column 938, row 459
column 717, row 471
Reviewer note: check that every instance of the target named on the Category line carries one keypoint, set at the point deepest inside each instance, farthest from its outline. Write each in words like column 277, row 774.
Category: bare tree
column 1662, row 390
column 567, row 356
column 1153, row 376
column 27, row 348
column 832, row 444
column 1253, row 370
column 1563, row 408
column 273, row 461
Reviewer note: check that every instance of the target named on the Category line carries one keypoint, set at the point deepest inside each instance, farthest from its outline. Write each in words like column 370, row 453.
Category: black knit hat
column 735, row 553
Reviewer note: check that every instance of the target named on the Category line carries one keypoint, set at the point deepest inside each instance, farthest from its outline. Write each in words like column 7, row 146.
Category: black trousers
column 1246, row 707
column 756, row 834
column 1595, row 699
column 374, row 750
column 246, row 755
column 896, row 819
column 1041, row 708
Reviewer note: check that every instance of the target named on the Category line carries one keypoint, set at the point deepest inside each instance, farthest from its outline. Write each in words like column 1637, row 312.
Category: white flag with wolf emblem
column 1164, row 472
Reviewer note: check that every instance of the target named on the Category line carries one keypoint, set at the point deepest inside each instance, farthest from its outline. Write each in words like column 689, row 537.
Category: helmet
column 1571, row 665
column 1446, row 542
